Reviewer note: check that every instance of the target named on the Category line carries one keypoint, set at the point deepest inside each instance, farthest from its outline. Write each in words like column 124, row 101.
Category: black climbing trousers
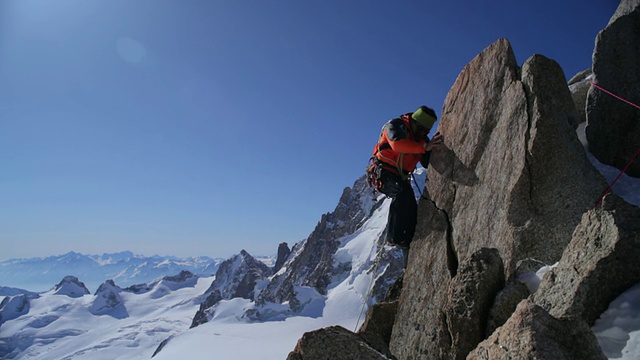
column 403, row 212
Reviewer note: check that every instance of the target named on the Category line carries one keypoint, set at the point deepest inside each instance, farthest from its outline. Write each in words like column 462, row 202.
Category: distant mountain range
column 327, row 279
column 125, row 268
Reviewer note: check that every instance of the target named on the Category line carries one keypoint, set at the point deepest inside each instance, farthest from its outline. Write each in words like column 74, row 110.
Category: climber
column 402, row 144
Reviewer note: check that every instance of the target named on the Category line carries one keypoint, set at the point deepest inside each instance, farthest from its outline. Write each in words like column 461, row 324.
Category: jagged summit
column 283, row 254
column 108, row 301
column 236, row 277
column 311, row 262
column 71, row 286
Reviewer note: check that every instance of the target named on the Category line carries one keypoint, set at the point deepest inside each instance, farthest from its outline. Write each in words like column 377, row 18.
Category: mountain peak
column 108, row 301
column 71, row 286
column 125, row 268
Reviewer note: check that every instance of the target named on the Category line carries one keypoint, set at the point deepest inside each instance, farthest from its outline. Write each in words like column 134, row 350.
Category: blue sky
column 206, row 127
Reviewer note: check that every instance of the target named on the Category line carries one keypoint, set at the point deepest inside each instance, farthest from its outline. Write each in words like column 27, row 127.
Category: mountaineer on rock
column 402, row 144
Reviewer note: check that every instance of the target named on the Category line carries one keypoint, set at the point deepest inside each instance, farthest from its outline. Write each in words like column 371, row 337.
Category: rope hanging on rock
column 614, row 95
column 634, row 155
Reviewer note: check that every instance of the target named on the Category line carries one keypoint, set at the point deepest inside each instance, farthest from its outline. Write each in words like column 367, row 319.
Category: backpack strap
column 384, row 146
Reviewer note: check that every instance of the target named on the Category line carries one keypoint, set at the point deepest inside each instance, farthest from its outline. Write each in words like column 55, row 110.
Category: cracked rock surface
column 511, row 176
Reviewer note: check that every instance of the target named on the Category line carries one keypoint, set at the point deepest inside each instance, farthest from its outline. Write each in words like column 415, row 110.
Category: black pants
column 403, row 212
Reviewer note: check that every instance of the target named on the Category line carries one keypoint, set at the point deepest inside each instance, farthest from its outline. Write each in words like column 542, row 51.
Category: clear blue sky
column 204, row 127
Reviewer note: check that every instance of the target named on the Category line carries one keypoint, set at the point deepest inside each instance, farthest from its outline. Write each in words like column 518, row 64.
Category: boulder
column 378, row 325
column 531, row 333
column 471, row 294
column 613, row 127
column 335, row 343
column 505, row 304
column 600, row 263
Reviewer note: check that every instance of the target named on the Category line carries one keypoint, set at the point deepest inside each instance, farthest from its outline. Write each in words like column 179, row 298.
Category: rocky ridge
column 613, row 127
column 312, row 262
column 236, row 278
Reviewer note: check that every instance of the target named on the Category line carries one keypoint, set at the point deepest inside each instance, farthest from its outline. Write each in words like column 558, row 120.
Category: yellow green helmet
column 424, row 116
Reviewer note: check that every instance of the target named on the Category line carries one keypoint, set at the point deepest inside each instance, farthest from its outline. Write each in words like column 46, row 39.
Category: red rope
column 634, row 155
column 618, row 177
column 614, row 95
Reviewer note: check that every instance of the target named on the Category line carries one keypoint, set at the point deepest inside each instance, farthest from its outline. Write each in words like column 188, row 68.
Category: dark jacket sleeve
column 426, row 157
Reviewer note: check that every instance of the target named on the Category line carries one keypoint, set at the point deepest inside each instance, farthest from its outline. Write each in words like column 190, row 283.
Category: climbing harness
column 632, row 157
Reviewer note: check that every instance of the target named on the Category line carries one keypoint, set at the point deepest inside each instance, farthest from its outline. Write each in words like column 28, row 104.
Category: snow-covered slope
column 231, row 335
column 131, row 323
column 99, row 327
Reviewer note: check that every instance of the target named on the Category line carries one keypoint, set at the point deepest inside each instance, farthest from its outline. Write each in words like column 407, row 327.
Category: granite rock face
column 600, row 263
column 613, row 127
column 511, row 176
column 505, row 304
column 469, row 300
column 378, row 324
column 335, row 343
column 531, row 333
